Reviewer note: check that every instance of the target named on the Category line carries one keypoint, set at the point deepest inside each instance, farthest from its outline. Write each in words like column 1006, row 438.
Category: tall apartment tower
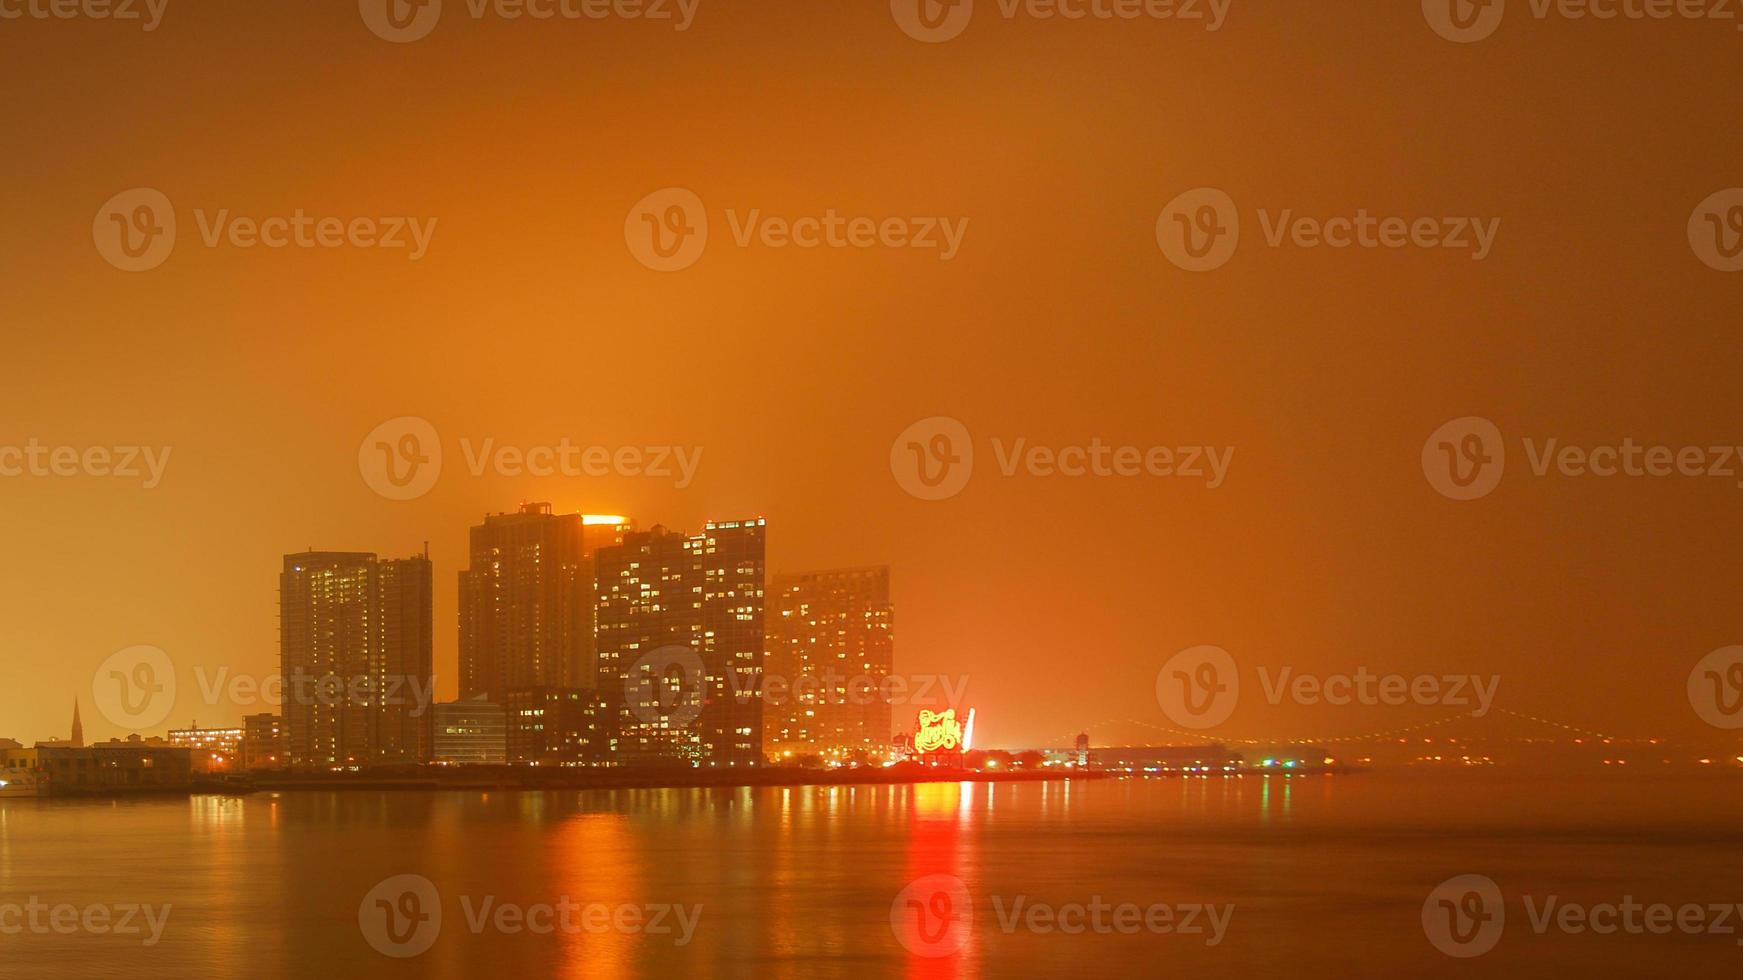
column 527, row 601
column 830, row 652
column 356, row 654
column 681, row 643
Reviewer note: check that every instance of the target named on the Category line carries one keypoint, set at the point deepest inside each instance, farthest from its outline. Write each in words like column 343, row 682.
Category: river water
column 1306, row 876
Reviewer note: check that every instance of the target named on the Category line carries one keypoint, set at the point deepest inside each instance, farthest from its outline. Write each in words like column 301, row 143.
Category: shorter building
column 558, row 726
column 133, row 765
column 471, row 732
column 19, row 769
column 263, row 742
column 214, row 749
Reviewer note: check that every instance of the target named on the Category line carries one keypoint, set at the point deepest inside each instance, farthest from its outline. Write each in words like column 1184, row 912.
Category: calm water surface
column 1327, row 876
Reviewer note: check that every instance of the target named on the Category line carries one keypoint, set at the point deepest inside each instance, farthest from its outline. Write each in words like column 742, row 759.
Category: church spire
column 78, row 727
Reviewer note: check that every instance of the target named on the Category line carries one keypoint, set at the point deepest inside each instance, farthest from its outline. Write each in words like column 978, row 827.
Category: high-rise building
column 681, row 644
column 470, row 732
column 526, row 602
column 555, row 726
column 830, row 656
column 356, row 655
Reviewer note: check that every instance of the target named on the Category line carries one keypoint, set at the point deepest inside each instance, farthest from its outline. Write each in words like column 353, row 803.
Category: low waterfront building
column 471, row 732
column 18, row 769
column 131, row 765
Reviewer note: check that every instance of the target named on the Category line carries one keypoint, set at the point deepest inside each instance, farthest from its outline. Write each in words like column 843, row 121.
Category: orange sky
column 1060, row 321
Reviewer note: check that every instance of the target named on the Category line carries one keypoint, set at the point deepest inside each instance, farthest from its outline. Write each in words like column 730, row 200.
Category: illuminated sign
column 938, row 731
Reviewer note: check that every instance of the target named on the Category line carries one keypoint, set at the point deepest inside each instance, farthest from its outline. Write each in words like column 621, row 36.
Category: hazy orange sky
column 1060, row 321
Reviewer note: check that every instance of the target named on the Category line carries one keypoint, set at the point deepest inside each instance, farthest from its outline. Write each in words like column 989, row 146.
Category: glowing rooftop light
column 608, row 520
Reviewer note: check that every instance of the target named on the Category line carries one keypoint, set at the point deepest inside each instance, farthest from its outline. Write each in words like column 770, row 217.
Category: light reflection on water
column 799, row 882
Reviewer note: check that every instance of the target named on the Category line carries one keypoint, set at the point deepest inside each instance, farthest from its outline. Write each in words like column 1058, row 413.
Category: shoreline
column 524, row 780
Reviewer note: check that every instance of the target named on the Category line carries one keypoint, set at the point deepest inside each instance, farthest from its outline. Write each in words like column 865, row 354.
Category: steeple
column 78, row 728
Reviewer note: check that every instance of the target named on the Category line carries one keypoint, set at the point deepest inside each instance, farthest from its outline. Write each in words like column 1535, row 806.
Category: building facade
column 470, row 732
column 831, row 652
column 557, row 726
column 527, row 601
column 357, row 657
column 263, row 742
column 133, row 765
column 681, row 643
column 213, row 749
column 20, row 768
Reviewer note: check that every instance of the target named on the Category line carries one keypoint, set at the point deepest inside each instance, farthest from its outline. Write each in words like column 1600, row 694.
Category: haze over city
column 1295, row 427
column 792, row 370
